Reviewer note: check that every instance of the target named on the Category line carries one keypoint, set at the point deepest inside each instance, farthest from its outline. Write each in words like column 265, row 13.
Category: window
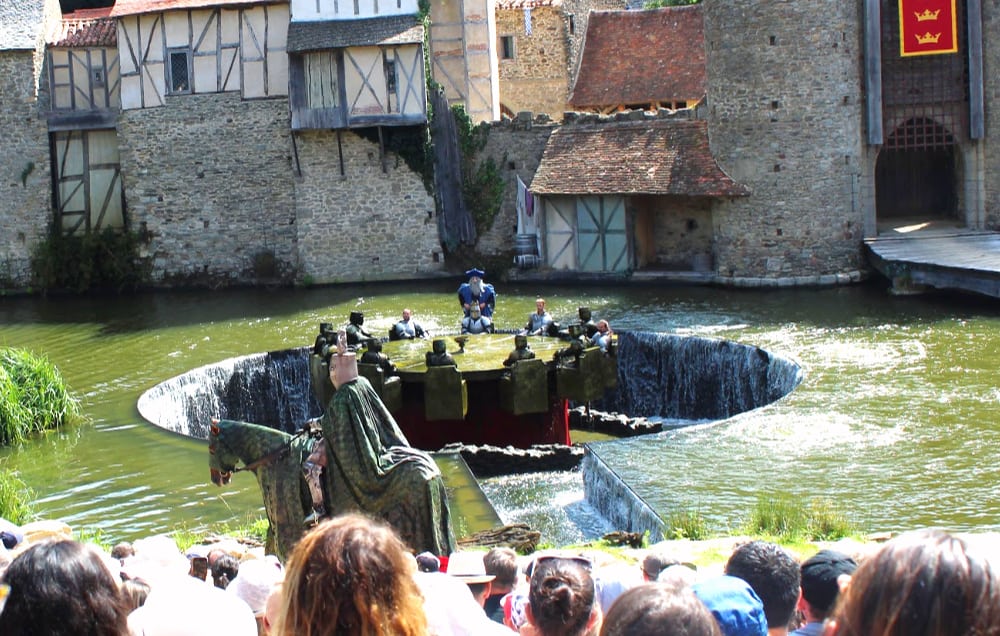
column 97, row 77
column 179, row 70
column 390, row 85
column 507, row 47
column 321, row 79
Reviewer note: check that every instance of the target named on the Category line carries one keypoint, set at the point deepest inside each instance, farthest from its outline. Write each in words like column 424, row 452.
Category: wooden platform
column 941, row 259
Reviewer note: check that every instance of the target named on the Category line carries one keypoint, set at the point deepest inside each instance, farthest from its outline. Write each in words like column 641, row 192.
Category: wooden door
column 88, row 181
column 560, row 232
column 602, row 241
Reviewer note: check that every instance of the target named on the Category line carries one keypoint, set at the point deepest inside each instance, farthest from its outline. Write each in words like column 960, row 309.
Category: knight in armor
column 587, row 321
column 438, row 356
column 569, row 356
column 373, row 355
column 325, row 341
column 477, row 292
column 407, row 328
column 522, row 351
column 356, row 333
column 475, row 322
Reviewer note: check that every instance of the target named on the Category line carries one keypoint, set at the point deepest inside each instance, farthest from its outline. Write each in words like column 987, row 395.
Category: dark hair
column 561, row 596
column 224, row 570
column 122, row 550
column 501, row 563
column 923, row 583
column 654, row 608
column 62, row 588
column 135, row 592
column 773, row 574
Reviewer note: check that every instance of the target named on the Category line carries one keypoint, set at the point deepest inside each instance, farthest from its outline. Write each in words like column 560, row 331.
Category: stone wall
column 991, row 90
column 516, row 145
column 537, row 78
column 26, row 200
column 368, row 223
column 785, row 113
column 209, row 178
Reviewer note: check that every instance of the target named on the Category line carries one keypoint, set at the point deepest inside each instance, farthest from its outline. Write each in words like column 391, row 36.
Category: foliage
column 656, row 4
column 97, row 261
column 482, row 183
column 33, row 396
column 786, row 519
column 14, row 498
column 686, row 524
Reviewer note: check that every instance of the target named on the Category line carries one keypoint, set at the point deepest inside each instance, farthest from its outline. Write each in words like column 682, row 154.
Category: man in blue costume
column 374, row 469
column 476, row 291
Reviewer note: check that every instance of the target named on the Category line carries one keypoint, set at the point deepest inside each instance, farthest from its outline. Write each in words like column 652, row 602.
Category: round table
column 481, row 359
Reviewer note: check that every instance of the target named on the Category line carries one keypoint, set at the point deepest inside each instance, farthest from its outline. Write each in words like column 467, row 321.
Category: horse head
column 221, row 462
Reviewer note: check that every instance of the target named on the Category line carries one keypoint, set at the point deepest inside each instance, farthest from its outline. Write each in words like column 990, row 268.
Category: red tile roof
column 638, row 57
column 642, row 157
column 86, row 27
column 135, row 7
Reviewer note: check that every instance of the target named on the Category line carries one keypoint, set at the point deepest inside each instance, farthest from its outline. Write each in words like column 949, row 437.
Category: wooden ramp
column 966, row 261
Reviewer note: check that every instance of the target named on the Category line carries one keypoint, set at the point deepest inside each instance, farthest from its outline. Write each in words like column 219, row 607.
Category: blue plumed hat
column 475, row 271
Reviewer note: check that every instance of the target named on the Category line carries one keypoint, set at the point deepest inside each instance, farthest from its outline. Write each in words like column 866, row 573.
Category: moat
column 894, row 420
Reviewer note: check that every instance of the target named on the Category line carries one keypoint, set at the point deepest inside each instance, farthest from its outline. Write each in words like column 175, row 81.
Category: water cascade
column 271, row 388
column 694, row 378
column 616, row 501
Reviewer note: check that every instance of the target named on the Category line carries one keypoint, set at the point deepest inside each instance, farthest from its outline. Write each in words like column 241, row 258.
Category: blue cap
column 475, row 271
column 736, row 607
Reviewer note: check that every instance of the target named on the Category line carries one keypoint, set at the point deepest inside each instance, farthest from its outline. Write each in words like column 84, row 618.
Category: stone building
column 26, row 202
column 533, row 52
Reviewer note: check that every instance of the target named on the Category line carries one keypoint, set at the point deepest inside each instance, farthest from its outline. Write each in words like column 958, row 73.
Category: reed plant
column 686, row 524
column 787, row 519
column 15, row 498
column 33, row 396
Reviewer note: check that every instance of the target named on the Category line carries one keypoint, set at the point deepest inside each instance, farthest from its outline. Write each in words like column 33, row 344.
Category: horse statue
column 276, row 458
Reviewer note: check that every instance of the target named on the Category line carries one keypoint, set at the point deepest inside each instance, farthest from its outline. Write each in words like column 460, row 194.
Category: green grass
column 785, row 519
column 33, row 396
column 14, row 498
column 686, row 524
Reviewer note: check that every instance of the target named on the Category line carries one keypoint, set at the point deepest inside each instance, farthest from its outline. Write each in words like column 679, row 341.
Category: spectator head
column 653, row 608
column 562, row 600
column 350, row 575
column 502, row 563
column 427, row 562
column 773, row 574
column 135, row 592
column 122, row 550
column 62, row 588
column 819, row 580
column 736, row 608
column 656, row 562
column 469, row 568
column 255, row 581
column 923, row 583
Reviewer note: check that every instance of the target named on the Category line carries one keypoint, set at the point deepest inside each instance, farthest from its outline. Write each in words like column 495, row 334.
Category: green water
column 896, row 418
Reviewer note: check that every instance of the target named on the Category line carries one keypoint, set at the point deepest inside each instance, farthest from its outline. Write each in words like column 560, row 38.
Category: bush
column 33, row 396
column 99, row 261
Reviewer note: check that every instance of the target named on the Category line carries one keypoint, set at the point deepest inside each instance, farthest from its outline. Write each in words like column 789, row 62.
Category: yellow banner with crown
column 927, row 27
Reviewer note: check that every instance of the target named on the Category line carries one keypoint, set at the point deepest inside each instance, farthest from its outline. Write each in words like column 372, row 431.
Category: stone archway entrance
column 916, row 176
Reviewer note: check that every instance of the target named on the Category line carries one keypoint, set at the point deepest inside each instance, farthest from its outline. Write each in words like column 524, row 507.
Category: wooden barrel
column 525, row 244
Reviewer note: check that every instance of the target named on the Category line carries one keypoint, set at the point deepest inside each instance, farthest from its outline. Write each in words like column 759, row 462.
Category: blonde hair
column 350, row 575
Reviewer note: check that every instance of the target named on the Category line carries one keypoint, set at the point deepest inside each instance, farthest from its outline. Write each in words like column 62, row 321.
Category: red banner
column 927, row 27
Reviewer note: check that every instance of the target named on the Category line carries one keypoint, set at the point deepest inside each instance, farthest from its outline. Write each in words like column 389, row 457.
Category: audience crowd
column 353, row 575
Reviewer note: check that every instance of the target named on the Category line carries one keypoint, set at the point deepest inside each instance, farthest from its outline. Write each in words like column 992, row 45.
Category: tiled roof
column 527, row 4
column 86, row 27
column 657, row 157
column 637, row 57
column 338, row 34
column 135, row 7
column 21, row 22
